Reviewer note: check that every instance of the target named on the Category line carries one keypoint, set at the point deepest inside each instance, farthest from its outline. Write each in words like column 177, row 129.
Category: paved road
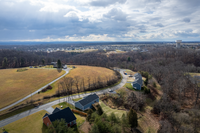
column 69, row 98
column 66, row 72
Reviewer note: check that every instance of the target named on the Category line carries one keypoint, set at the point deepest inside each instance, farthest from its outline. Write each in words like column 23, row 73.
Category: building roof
column 45, row 115
column 56, row 110
column 65, row 114
column 138, row 79
column 88, row 99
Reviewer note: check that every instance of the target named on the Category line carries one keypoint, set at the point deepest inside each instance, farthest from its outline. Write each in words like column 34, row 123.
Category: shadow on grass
column 59, row 70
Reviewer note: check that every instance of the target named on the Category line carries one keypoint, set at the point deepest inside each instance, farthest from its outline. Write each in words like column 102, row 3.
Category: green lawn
column 30, row 124
column 77, row 99
column 128, row 85
column 64, row 104
column 108, row 110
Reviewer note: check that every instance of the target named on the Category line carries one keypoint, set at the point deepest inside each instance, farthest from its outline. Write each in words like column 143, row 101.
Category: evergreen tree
column 94, row 129
column 5, row 62
column 129, row 59
column 132, row 118
column 89, row 114
column 43, row 61
column 146, row 81
column 59, row 126
column 99, row 110
column 124, row 123
column 59, row 64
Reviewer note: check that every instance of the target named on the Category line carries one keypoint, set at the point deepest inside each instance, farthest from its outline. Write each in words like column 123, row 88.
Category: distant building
column 137, row 84
column 86, row 102
column 178, row 43
column 58, row 114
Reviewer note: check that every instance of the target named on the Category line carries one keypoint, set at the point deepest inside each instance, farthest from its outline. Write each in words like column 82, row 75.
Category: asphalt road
column 66, row 70
column 69, row 98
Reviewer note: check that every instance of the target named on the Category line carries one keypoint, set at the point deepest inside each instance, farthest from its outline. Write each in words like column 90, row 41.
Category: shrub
column 146, row 90
column 49, row 87
column 154, row 84
column 46, row 97
column 79, row 112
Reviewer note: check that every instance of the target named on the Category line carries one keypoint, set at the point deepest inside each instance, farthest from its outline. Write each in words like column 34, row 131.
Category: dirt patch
column 148, row 123
column 85, row 128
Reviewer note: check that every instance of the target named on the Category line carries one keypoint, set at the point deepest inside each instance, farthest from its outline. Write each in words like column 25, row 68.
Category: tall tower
column 178, row 43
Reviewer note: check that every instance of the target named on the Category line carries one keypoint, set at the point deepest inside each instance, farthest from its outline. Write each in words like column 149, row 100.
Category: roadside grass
column 129, row 72
column 30, row 124
column 16, row 85
column 64, row 105
column 77, row 99
column 4, row 116
column 108, row 110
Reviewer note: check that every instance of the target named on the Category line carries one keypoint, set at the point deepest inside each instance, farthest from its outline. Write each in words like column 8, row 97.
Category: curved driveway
column 66, row 72
column 68, row 98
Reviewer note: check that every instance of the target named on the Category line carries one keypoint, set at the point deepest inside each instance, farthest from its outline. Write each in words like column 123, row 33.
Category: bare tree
column 76, row 81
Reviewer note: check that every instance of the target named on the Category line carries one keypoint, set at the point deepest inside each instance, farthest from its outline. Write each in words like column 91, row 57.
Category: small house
column 137, row 84
column 86, row 102
column 58, row 114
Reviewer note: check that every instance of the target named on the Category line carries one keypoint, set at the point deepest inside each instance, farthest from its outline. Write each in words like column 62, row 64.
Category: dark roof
column 138, row 79
column 66, row 114
column 45, row 115
column 88, row 99
column 56, row 110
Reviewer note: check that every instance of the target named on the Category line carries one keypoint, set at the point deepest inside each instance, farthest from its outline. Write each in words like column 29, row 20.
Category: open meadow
column 16, row 85
column 82, row 72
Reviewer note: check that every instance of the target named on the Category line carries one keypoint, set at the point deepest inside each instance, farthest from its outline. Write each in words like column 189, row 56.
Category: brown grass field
column 16, row 85
column 82, row 72
column 30, row 124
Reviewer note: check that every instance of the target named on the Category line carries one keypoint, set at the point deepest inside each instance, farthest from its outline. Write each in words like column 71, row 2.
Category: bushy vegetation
column 59, row 126
column 111, row 123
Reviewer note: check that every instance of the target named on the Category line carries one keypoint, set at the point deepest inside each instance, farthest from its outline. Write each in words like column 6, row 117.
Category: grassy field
column 77, row 99
column 81, row 72
column 30, row 124
column 108, row 110
column 16, row 85
column 128, row 85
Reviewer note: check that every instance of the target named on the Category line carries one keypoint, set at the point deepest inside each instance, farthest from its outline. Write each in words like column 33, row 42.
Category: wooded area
column 170, row 67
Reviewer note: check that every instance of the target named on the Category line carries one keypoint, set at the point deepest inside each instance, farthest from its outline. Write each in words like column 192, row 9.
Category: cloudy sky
column 99, row 20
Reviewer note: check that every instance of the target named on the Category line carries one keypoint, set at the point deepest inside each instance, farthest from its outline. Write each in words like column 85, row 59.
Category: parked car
column 110, row 90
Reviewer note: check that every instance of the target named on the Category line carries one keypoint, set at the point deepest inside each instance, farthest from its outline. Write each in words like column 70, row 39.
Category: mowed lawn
column 16, row 85
column 109, row 110
column 81, row 72
column 30, row 124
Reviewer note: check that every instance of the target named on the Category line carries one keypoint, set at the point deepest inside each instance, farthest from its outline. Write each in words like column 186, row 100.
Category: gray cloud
column 105, row 3
column 187, row 20
column 116, row 14
column 159, row 25
column 137, row 18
